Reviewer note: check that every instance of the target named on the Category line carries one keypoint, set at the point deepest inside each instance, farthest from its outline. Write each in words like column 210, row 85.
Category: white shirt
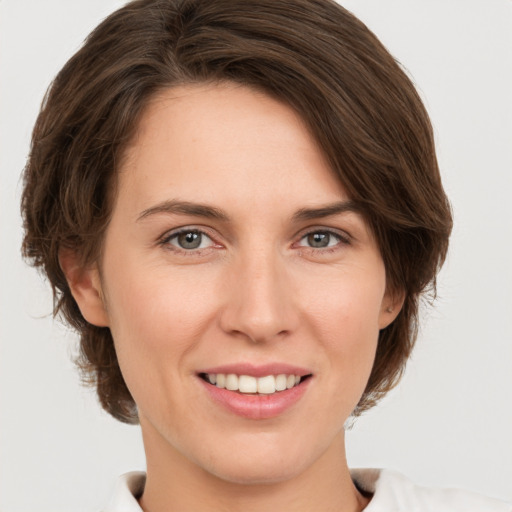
column 391, row 491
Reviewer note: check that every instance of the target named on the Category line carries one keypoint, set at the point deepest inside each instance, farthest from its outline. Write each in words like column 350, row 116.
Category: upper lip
column 260, row 370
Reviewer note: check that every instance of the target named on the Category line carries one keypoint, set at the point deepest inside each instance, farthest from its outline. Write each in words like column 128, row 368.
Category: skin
column 255, row 291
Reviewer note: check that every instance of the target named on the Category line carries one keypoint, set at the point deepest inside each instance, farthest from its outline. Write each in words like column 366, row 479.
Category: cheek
column 156, row 319
column 345, row 317
column 156, row 306
column 347, row 307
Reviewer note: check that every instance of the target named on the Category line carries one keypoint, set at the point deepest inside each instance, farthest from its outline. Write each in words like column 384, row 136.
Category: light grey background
column 450, row 421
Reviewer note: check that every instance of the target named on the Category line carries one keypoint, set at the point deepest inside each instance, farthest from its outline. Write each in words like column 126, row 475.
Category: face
column 235, row 266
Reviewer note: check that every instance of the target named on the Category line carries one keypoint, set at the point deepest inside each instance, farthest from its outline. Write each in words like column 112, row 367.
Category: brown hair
column 312, row 54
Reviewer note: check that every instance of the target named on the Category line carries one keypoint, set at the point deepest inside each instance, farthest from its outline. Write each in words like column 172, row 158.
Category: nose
column 260, row 303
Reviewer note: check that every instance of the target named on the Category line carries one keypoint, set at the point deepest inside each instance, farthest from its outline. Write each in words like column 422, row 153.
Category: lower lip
column 256, row 407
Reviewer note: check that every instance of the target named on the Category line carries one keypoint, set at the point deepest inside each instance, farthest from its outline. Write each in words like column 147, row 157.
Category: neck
column 176, row 483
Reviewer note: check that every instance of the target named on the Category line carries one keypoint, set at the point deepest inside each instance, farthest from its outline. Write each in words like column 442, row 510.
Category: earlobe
column 85, row 286
column 391, row 307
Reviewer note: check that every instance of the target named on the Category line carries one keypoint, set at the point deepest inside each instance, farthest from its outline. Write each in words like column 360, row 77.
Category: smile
column 255, row 392
column 247, row 384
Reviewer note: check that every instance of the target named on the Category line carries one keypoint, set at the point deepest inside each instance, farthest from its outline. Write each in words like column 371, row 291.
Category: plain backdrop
column 449, row 423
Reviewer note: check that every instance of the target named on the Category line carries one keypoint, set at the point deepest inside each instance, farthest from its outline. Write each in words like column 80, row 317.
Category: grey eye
column 319, row 239
column 189, row 239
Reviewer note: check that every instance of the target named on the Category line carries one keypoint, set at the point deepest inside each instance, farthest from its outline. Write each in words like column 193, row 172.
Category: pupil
column 318, row 239
column 190, row 240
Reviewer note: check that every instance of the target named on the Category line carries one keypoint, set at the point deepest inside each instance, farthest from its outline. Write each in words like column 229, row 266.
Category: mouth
column 251, row 385
column 256, row 392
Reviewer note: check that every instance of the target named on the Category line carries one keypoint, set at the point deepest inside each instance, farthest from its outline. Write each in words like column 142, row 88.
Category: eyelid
column 344, row 237
column 164, row 240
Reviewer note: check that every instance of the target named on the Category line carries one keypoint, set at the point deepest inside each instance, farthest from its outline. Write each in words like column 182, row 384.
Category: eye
column 189, row 239
column 321, row 239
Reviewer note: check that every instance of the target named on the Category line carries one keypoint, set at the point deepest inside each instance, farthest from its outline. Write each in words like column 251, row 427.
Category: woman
column 238, row 206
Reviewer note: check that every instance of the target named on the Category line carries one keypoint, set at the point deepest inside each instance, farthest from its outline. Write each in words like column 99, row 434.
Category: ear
column 85, row 286
column 391, row 306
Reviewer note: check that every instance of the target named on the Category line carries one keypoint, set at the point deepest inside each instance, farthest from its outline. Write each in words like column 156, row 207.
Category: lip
column 256, row 407
column 258, row 370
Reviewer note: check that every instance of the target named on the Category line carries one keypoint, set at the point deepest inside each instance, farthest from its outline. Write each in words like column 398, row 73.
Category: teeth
column 249, row 384
column 220, row 379
column 231, row 382
column 267, row 385
column 281, row 382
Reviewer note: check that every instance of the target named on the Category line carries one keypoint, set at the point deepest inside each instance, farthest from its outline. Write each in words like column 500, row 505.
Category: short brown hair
column 314, row 55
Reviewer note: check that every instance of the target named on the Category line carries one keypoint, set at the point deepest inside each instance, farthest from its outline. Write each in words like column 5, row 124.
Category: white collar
column 391, row 491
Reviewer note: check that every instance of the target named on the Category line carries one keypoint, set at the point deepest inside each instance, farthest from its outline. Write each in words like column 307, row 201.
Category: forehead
column 228, row 144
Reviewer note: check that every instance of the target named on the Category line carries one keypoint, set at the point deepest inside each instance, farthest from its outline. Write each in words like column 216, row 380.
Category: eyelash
column 165, row 241
column 342, row 239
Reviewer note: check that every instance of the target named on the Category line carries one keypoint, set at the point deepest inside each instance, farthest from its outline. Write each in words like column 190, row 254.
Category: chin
column 256, row 473
column 267, row 464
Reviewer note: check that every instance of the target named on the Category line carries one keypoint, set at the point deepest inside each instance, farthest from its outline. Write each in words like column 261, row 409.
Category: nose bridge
column 260, row 302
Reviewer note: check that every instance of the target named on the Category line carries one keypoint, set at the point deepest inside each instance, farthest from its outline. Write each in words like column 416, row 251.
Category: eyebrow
column 185, row 208
column 326, row 211
column 211, row 212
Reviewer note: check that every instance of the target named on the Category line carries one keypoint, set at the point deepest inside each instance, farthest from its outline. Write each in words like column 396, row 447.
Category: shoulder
column 393, row 492
column 128, row 489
